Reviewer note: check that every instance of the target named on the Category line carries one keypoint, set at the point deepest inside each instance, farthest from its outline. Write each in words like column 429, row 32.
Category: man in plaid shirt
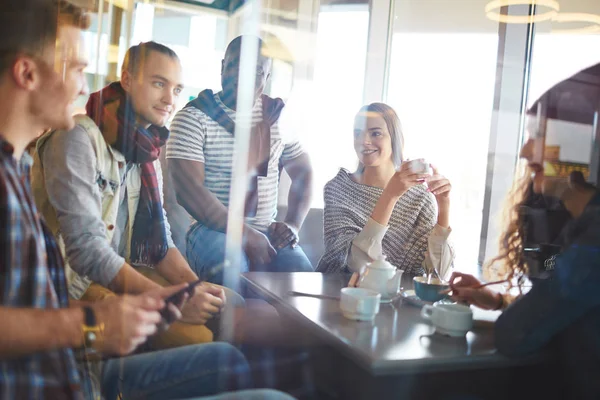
column 37, row 335
column 41, row 73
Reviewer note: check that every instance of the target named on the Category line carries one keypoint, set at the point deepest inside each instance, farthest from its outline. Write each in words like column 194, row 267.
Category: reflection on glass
column 570, row 43
column 197, row 36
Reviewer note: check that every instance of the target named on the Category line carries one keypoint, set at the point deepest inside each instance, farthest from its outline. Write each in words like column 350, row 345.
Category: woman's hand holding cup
column 408, row 175
column 438, row 185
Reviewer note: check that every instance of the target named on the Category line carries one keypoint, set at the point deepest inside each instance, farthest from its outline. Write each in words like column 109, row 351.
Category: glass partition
column 318, row 69
column 459, row 79
column 442, row 80
column 198, row 36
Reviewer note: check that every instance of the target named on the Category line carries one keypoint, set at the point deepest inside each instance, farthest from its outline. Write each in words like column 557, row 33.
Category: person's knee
column 206, row 253
column 292, row 260
column 206, row 244
column 219, row 355
column 305, row 266
column 230, row 360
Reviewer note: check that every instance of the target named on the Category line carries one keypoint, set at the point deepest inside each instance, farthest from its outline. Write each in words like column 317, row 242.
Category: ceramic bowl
column 429, row 291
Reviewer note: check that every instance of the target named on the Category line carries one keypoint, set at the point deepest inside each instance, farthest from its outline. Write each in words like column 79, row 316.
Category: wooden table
column 398, row 343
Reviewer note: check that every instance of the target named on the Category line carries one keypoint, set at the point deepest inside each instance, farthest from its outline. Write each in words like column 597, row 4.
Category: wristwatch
column 92, row 331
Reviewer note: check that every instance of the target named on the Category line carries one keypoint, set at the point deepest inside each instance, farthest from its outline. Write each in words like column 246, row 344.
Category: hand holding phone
column 177, row 298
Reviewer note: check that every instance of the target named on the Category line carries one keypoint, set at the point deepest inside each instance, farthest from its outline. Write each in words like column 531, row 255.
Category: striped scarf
column 111, row 110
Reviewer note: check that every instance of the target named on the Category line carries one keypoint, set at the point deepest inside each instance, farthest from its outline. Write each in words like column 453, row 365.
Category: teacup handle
column 427, row 311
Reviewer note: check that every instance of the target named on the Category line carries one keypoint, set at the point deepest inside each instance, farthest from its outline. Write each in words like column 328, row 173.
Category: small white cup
column 359, row 304
column 449, row 319
column 419, row 166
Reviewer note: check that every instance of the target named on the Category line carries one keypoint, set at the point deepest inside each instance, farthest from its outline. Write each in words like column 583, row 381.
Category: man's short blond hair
column 28, row 26
column 136, row 55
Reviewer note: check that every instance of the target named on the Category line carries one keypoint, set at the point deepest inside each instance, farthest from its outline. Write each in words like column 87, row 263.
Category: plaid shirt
column 31, row 276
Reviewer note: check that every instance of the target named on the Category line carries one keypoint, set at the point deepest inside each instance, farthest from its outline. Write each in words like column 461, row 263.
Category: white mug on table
column 359, row 304
column 449, row 319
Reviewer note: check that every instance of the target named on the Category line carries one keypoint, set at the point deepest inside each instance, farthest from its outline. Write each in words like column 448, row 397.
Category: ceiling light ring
column 492, row 6
column 593, row 21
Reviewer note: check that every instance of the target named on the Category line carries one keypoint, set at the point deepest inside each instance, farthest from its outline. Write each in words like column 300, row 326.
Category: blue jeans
column 189, row 371
column 206, row 250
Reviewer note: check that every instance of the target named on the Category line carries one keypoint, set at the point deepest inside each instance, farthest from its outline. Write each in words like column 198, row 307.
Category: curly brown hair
column 565, row 100
column 510, row 264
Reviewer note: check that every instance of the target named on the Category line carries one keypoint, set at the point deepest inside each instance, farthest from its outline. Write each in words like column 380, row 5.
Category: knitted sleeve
column 341, row 225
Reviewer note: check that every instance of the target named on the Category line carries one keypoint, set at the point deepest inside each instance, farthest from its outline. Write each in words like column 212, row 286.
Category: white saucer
column 411, row 298
column 450, row 332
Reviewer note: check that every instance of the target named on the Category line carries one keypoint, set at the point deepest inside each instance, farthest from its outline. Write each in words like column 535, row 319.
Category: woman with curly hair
column 562, row 310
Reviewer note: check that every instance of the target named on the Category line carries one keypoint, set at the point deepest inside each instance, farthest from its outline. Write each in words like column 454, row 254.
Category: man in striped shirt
column 201, row 152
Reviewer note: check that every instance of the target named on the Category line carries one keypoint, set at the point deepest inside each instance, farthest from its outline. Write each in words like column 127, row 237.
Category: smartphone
column 176, row 298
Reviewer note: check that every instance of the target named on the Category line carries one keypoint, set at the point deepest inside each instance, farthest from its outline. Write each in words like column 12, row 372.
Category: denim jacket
column 564, row 308
column 83, row 213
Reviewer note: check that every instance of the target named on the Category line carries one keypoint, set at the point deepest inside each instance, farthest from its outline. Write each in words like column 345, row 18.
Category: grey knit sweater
column 348, row 207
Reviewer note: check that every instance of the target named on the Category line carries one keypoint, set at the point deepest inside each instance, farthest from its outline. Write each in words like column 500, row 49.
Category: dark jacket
column 564, row 309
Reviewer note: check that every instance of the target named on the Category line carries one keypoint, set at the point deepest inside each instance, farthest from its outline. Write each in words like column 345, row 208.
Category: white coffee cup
column 359, row 304
column 449, row 319
column 419, row 166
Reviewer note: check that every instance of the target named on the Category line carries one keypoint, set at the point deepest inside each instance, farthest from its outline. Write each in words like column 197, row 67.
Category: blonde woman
column 384, row 208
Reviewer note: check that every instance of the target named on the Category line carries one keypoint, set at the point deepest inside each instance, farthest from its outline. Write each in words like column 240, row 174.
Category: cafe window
column 442, row 79
column 335, row 95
